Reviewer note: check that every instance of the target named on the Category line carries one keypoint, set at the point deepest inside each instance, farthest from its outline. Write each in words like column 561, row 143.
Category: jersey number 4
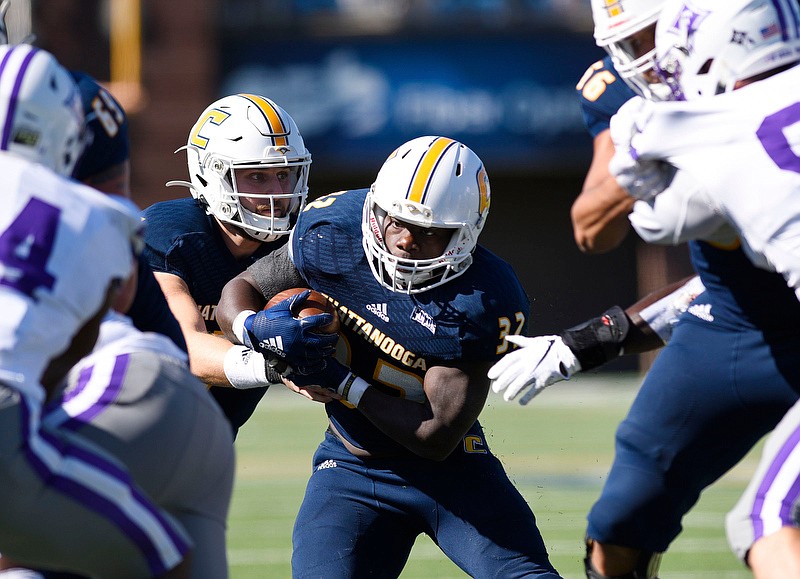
column 25, row 247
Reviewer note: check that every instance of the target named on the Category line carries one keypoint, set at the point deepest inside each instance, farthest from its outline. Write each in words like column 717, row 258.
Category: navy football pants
column 711, row 394
column 360, row 517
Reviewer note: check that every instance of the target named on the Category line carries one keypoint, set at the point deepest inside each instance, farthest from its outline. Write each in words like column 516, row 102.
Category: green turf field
column 557, row 450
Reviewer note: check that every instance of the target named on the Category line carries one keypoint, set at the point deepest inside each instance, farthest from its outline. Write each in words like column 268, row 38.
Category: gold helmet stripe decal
column 483, row 190
column 425, row 168
column 278, row 130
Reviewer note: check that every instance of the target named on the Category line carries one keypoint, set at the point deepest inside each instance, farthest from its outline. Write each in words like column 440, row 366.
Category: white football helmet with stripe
column 704, row 47
column 427, row 182
column 41, row 116
column 246, row 131
column 615, row 21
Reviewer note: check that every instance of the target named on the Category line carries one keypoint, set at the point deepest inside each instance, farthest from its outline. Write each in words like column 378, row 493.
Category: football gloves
column 538, row 363
column 333, row 376
column 641, row 178
column 277, row 333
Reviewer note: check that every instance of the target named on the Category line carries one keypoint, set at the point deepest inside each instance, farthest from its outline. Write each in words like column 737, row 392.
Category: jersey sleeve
column 165, row 227
column 327, row 238
column 150, row 311
column 601, row 92
column 275, row 272
column 156, row 242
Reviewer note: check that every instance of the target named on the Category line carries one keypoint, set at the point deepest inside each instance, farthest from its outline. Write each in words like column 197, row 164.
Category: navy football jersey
column 601, row 92
column 183, row 240
column 388, row 338
column 150, row 311
column 739, row 292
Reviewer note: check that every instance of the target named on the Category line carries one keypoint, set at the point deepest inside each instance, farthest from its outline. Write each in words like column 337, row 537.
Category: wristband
column 599, row 340
column 663, row 314
column 245, row 368
column 352, row 389
column 238, row 327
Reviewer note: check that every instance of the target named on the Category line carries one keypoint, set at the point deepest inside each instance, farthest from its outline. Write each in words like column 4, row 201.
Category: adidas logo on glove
column 274, row 345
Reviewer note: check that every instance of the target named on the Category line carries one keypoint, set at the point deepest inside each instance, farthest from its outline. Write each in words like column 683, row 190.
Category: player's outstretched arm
column 600, row 213
column 206, row 351
column 544, row 360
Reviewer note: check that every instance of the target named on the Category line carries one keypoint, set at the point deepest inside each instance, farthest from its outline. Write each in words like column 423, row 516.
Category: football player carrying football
column 425, row 311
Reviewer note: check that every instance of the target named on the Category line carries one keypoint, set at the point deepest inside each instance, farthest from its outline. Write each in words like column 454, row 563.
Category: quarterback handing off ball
column 314, row 304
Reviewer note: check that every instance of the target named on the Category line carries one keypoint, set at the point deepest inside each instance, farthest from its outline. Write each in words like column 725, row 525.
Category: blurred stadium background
column 361, row 77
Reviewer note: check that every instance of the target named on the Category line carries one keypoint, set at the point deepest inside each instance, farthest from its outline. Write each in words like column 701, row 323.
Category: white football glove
column 641, row 178
column 538, row 363
column 628, row 122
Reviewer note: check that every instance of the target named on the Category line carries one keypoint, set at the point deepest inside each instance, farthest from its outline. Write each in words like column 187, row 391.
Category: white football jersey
column 61, row 244
column 743, row 149
column 680, row 213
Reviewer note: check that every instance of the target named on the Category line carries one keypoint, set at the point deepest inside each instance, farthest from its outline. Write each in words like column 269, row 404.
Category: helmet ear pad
column 239, row 132
column 430, row 182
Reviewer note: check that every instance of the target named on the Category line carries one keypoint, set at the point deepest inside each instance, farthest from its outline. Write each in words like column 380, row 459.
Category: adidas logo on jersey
column 702, row 311
column 272, row 344
column 327, row 464
column 379, row 310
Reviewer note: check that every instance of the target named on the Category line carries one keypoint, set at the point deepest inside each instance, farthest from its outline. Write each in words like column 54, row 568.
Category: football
column 316, row 303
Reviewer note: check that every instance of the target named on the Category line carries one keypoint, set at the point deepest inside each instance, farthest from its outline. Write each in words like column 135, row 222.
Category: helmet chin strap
column 244, row 233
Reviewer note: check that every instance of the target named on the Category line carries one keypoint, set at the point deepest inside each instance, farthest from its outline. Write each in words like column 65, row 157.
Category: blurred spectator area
column 353, row 17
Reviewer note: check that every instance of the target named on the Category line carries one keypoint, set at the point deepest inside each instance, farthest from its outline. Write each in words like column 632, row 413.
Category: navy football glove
column 334, row 376
column 331, row 375
column 276, row 332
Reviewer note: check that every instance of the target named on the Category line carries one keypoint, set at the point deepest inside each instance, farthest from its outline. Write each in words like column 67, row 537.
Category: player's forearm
column 644, row 326
column 207, row 356
column 410, row 424
column 599, row 213
column 657, row 313
column 600, row 217
column 237, row 296
column 435, row 428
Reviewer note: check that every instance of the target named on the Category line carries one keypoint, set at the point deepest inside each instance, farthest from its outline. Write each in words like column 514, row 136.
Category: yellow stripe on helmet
column 483, row 190
column 427, row 165
column 274, row 120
